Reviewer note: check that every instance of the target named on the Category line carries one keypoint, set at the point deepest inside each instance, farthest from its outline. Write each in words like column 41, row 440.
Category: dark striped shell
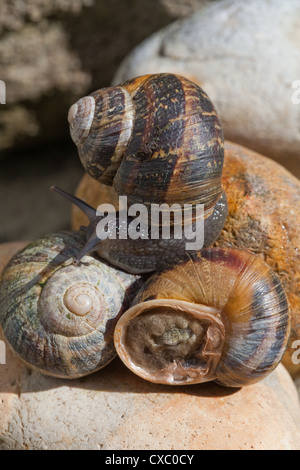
column 58, row 317
column 220, row 314
column 156, row 138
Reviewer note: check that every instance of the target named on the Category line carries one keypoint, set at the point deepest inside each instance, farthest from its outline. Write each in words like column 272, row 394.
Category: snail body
column 59, row 318
column 144, row 254
column 220, row 314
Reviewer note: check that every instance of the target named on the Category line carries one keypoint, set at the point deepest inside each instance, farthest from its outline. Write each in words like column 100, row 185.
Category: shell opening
column 171, row 343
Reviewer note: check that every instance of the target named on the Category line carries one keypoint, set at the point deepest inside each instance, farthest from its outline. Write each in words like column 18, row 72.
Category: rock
column 232, row 50
column 114, row 409
column 62, row 50
column 181, row 8
column 264, row 217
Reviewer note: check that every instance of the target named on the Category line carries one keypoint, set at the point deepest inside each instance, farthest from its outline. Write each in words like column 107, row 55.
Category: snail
column 158, row 140
column 220, row 314
column 145, row 254
column 59, row 318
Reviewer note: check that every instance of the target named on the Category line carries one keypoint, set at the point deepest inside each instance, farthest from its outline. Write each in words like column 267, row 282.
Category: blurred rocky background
column 245, row 55
column 52, row 52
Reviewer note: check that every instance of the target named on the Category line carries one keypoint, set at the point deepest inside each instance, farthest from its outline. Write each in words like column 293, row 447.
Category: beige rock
column 114, row 409
column 264, row 218
column 246, row 56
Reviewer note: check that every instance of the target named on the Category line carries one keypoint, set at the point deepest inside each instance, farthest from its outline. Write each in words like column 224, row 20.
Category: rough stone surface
column 264, row 217
column 54, row 52
column 246, row 56
column 114, row 409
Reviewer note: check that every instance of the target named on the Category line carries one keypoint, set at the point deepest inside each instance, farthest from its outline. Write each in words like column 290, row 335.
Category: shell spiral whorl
column 58, row 317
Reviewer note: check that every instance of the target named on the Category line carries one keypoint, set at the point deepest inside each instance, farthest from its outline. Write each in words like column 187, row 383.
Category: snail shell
column 58, row 317
column 157, row 138
column 220, row 314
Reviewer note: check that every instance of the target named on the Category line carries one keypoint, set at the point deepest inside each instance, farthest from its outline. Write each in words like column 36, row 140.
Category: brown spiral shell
column 220, row 314
column 157, row 138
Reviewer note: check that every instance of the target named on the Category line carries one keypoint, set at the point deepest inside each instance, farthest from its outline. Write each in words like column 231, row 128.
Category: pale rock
column 113, row 409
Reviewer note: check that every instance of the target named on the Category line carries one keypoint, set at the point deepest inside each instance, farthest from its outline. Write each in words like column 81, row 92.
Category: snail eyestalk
column 88, row 210
column 88, row 247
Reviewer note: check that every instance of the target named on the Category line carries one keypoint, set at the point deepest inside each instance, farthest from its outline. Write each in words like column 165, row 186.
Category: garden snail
column 143, row 254
column 59, row 318
column 220, row 314
column 158, row 140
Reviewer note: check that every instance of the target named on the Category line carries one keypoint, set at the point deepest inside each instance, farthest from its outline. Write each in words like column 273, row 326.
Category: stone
column 115, row 410
column 236, row 51
column 264, row 217
column 54, row 52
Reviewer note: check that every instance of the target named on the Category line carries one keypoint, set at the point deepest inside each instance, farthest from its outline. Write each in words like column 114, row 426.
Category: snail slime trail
column 165, row 222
